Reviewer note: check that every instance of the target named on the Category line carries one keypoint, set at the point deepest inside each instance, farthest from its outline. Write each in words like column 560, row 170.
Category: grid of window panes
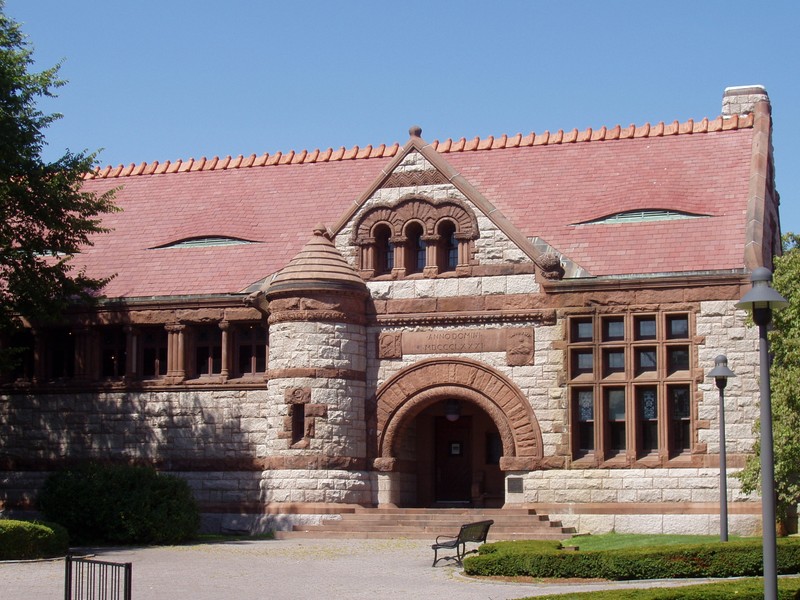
column 113, row 353
column 153, row 343
column 630, row 384
column 251, row 349
column 208, row 350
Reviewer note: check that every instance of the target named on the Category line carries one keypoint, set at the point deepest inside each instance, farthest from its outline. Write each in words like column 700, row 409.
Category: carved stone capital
column 384, row 464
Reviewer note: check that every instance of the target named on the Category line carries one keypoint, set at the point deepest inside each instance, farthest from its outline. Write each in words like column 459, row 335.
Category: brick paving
column 286, row 570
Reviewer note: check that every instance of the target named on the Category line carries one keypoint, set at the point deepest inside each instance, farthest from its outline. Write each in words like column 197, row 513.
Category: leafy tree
column 45, row 216
column 784, row 377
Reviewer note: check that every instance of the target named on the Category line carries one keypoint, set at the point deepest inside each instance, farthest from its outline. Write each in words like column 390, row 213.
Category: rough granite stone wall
column 657, row 523
column 161, row 426
column 453, row 287
column 726, row 332
column 280, row 485
column 723, row 330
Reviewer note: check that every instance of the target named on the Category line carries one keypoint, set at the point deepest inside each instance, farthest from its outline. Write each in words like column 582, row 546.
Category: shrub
column 23, row 540
column 732, row 559
column 120, row 505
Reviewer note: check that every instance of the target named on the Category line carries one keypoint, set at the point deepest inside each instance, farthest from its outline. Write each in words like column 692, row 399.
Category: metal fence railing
column 87, row 579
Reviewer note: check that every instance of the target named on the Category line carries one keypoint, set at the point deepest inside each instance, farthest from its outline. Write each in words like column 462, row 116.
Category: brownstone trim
column 317, row 305
column 313, row 373
column 593, row 291
column 762, row 219
column 406, row 394
column 643, row 508
column 278, row 508
column 420, row 209
column 272, row 463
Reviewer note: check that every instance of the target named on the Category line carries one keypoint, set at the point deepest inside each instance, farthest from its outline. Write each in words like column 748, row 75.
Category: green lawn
column 745, row 588
column 616, row 541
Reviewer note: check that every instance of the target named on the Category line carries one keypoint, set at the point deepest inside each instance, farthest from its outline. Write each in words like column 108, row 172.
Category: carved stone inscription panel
column 516, row 342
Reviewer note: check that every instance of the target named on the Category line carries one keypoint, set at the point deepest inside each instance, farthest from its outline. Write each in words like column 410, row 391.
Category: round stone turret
column 318, row 266
column 318, row 284
column 317, row 377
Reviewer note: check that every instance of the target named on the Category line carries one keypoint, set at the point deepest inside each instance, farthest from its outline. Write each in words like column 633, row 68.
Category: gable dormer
column 415, row 235
column 421, row 218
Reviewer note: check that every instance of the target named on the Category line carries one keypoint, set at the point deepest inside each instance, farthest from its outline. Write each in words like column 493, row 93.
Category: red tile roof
column 545, row 184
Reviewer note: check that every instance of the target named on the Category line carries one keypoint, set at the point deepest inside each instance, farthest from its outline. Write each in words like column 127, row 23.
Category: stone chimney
column 742, row 100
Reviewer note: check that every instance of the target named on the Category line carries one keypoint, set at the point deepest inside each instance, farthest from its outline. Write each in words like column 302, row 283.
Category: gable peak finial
column 321, row 230
column 415, row 131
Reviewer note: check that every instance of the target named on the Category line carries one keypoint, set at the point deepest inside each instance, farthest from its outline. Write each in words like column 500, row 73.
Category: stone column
column 176, row 370
column 225, row 352
column 431, row 268
column 399, row 243
column 132, row 367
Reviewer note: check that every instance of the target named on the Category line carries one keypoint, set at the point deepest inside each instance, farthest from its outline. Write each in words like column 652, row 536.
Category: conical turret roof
column 318, row 266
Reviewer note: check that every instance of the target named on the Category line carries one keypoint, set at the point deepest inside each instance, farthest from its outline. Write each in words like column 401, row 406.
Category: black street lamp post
column 721, row 373
column 761, row 300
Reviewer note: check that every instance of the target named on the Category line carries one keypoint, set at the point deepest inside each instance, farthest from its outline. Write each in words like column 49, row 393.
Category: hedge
column 120, row 505
column 24, row 540
column 731, row 559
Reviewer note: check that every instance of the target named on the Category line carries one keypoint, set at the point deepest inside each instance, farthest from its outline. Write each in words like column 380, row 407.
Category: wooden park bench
column 471, row 532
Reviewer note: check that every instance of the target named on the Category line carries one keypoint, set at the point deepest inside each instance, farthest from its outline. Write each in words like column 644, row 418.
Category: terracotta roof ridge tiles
column 448, row 146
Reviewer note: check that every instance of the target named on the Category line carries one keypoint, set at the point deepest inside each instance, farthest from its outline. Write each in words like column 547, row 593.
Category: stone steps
column 418, row 523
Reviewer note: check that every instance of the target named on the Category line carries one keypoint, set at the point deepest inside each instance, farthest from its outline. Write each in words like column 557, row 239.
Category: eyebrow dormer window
column 204, row 242
column 642, row 216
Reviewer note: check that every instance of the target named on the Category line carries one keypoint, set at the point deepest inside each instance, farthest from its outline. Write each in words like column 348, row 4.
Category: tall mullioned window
column 631, row 383
column 251, row 349
column 415, row 249
column 384, row 250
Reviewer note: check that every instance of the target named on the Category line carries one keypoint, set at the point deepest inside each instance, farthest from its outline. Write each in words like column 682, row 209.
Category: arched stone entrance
column 410, row 409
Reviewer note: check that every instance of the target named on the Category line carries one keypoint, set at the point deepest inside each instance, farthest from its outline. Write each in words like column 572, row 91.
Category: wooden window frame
column 660, row 440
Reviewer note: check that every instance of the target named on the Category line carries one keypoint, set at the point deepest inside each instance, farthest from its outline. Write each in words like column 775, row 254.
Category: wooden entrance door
column 453, row 472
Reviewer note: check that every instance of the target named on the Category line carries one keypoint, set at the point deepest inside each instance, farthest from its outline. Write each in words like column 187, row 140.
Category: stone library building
column 515, row 322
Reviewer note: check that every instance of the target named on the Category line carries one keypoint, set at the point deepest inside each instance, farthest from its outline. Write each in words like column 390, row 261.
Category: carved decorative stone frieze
column 389, row 345
column 400, row 179
column 519, row 347
column 298, row 395
column 516, row 342
column 424, row 210
column 338, row 307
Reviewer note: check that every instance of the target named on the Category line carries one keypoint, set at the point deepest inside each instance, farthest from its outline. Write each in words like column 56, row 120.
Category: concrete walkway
column 287, row 570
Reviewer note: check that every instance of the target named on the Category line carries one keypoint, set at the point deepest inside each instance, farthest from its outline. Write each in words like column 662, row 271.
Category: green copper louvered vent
column 642, row 216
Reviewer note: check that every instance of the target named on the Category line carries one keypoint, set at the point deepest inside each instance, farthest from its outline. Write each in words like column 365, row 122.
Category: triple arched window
column 415, row 236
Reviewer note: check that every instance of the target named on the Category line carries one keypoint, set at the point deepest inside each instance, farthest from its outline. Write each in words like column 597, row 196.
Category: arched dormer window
column 416, row 249
column 384, row 250
column 415, row 235
column 447, row 247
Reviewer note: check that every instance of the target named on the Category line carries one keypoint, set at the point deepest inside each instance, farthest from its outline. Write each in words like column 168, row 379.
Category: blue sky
column 168, row 79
